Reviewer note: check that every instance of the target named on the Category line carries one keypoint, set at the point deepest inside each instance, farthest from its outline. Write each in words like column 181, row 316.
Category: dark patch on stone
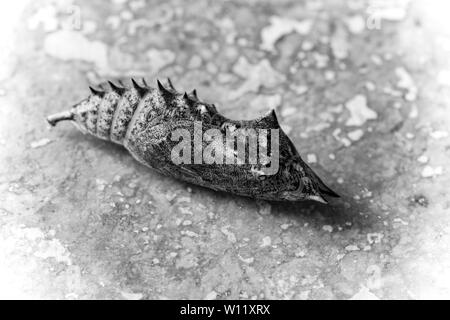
column 418, row 199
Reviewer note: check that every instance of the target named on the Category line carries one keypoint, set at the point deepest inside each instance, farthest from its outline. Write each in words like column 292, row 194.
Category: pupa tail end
column 60, row 116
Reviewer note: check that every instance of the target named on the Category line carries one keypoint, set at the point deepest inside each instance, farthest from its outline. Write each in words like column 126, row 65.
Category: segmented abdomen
column 106, row 110
column 109, row 115
column 122, row 117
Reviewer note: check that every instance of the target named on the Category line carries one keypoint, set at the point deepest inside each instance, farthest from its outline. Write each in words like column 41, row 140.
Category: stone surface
column 79, row 218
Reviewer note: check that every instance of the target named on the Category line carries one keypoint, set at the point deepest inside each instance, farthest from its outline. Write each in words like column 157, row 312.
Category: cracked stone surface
column 363, row 92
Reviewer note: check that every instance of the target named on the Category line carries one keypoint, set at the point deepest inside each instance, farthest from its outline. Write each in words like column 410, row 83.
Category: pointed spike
column 167, row 95
column 162, row 89
column 160, row 86
column 170, row 84
column 144, row 82
column 194, row 93
column 141, row 90
column 272, row 118
column 96, row 92
column 188, row 99
column 118, row 90
column 112, row 85
column 272, row 115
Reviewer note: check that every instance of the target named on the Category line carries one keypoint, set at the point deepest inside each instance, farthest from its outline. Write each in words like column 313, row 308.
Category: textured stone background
column 362, row 88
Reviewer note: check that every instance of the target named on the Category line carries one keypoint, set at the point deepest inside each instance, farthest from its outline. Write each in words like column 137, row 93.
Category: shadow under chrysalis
column 180, row 136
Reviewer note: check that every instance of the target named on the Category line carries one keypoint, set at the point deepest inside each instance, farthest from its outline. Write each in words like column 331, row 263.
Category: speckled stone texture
column 362, row 90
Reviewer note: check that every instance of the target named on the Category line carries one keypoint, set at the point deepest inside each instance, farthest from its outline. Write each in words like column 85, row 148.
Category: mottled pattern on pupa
column 142, row 119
